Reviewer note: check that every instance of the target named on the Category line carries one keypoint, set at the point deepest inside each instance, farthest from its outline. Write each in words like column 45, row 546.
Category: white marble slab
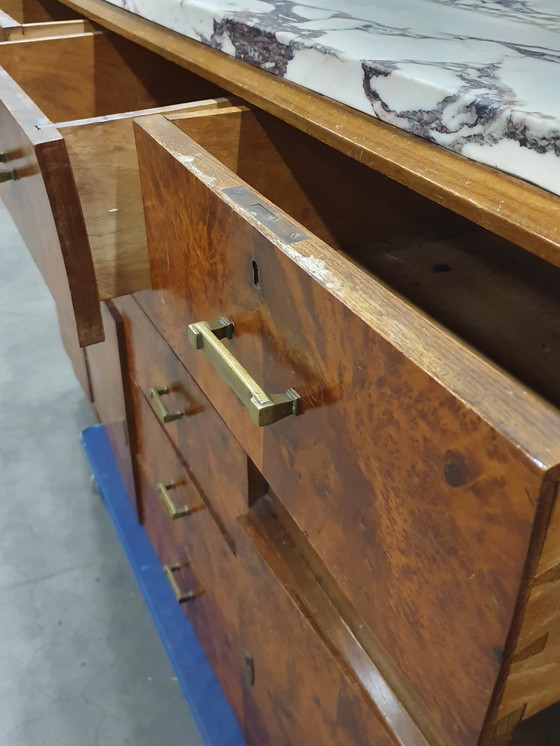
column 480, row 77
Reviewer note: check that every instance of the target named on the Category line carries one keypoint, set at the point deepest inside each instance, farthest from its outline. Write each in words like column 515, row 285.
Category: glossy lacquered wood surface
column 417, row 469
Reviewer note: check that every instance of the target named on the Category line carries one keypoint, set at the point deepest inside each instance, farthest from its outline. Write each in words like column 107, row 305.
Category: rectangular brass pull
column 181, row 596
column 167, row 501
column 156, row 392
column 264, row 408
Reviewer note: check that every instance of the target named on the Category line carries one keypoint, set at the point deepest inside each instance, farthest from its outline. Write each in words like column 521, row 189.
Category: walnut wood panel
column 307, row 696
column 417, row 469
column 103, row 159
column 512, row 208
column 44, row 187
column 105, row 75
column 216, row 462
column 37, row 11
column 212, row 571
column 108, row 374
column 491, row 293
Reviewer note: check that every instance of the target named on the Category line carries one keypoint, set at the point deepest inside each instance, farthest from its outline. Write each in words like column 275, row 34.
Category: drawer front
column 208, row 567
column 110, row 390
column 162, row 467
column 37, row 186
column 296, row 690
column 215, row 460
column 415, row 485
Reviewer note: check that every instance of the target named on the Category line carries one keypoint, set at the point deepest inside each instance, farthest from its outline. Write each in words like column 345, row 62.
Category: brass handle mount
column 156, row 392
column 264, row 409
column 166, row 500
column 182, row 597
column 7, row 176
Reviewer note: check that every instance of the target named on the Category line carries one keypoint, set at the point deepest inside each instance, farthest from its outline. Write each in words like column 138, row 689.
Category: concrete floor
column 81, row 663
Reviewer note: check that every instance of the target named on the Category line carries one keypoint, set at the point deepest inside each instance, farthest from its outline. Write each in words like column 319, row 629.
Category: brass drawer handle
column 156, row 392
column 180, row 596
column 264, row 408
column 167, row 501
column 7, row 176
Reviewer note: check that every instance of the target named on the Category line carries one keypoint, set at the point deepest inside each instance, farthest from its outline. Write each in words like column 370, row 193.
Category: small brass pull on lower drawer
column 264, row 408
column 181, row 597
column 7, row 176
column 156, row 392
column 167, row 501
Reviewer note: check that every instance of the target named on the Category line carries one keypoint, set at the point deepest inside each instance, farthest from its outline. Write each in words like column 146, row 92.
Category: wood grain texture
column 515, row 210
column 44, row 205
column 307, row 696
column 87, row 75
column 534, row 682
column 37, row 11
column 213, row 458
column 489, row 292
column 417, row 467
column 212, row 571
column 110, row 386
column 103, row 159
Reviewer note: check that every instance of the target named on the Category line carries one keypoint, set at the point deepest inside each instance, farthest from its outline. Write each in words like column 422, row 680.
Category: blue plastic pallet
column 208, row 704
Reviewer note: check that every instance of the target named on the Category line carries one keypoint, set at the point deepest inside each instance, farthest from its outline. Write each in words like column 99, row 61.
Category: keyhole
column 256, row 275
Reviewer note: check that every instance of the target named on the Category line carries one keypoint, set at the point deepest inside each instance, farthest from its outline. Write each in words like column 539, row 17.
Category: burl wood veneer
column 422, row 474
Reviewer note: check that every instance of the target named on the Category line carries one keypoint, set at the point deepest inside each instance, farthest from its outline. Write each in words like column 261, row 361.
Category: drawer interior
column 67, row 105
column 37, row 11
column 96, row 74
column 491, row 293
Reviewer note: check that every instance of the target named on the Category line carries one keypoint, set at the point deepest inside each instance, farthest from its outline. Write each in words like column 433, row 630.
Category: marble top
column 480, row 77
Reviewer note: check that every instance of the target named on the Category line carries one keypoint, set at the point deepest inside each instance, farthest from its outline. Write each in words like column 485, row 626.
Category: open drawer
column 72, row 187
column 423, row 461
column 36, row 18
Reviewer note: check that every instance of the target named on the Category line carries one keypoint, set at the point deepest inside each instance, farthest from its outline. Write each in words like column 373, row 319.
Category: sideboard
column 327, row 355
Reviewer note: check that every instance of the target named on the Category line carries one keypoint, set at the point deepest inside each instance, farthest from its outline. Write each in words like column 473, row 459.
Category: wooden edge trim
column 171, row 111
column 58, row 177
column 48, row 29
column 480, row 193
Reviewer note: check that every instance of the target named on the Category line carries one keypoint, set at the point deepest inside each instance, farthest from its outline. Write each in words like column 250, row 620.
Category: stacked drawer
column 420, row 472
column 335, row 412
column 243, row 584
